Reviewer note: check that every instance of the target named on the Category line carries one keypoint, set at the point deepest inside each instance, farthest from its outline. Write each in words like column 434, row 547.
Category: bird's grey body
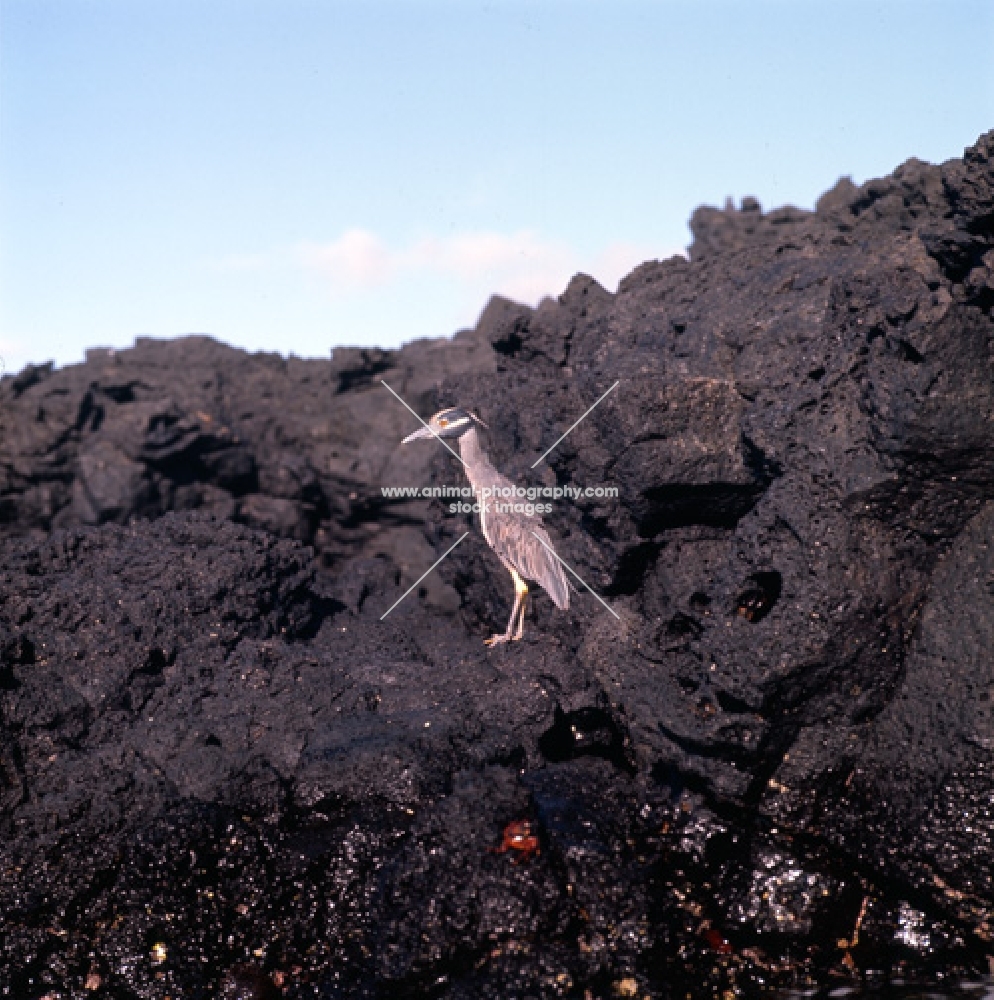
column 519, row 540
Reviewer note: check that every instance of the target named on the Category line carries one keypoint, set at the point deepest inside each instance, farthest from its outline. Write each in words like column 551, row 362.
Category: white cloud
column 523, row 265
column 358, row 259
column 363, row 288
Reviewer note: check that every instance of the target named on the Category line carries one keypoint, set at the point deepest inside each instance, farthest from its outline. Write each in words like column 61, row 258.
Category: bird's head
column 449, row 423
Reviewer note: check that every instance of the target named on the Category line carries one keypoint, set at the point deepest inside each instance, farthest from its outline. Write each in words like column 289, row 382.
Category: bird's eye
column 443, row 422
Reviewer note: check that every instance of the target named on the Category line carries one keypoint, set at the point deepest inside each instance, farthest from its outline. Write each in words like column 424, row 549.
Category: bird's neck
column 472, row 455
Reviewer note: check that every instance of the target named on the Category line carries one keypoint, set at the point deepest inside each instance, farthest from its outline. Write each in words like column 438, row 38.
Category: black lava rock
column 231, row 764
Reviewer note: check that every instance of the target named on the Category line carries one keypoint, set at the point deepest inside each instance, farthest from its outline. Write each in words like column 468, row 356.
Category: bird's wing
column 513, row 538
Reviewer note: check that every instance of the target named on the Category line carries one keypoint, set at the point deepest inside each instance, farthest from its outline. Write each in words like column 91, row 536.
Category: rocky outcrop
column 223, row 770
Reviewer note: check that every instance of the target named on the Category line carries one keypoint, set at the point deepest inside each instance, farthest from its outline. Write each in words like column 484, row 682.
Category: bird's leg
column 520, row 589
column 520, row 597
column 519, row 631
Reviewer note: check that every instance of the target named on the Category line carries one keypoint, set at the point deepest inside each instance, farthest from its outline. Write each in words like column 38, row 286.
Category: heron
column 520, row 541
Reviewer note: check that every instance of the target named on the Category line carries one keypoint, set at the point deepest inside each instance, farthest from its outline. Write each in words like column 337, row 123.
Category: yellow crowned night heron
column 520, row 541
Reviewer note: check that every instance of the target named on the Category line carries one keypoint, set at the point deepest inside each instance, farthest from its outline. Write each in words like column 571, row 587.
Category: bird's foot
column 496, row 640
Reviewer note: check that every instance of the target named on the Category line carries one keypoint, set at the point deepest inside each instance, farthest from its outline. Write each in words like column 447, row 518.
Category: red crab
column 519, row 836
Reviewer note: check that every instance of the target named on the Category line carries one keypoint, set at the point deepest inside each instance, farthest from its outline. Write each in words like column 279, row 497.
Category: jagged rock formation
column 221, row 771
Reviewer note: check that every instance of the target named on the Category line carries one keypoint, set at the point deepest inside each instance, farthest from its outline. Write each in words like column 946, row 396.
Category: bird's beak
column 423, row 432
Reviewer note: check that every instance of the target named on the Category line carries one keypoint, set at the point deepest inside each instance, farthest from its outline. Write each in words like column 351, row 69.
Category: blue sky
column 290, row 175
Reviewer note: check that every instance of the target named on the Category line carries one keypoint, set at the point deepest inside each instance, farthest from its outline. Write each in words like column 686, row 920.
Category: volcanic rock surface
column 231, row 766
